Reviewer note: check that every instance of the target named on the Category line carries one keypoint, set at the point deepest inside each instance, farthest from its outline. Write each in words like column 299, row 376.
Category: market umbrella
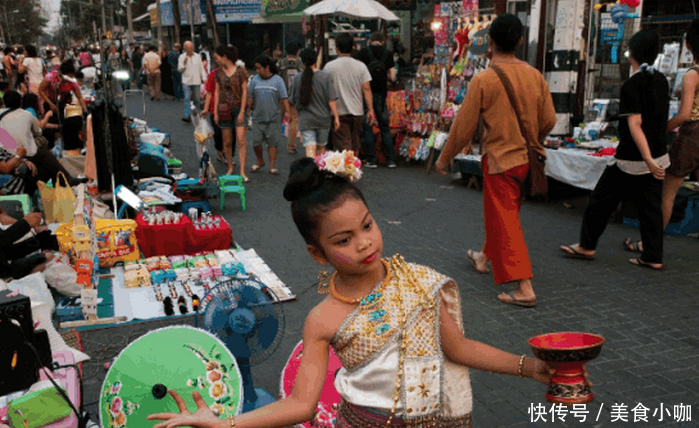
column 325, row 414
column 358, row 9
column 181, row 358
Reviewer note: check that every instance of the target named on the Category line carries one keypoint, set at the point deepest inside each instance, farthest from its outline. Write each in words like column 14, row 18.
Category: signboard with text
column 283, row 7
column 237, row 10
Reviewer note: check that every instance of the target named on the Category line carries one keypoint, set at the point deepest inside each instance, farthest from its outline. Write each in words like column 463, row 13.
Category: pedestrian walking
column 10, row 65
column 290, row 67
column 137, row 63
column 126, row 65
column 684, row 152
column 314, row 96
column 151, row 61
column 267, row 92
column 351, row 79
column 191, row 70
column 166, row 86
column 505, row 163
column 85, row 59
column 209, row 111
column 381, row 66
column 33, row 66
column 230, row 103
column 173, row 58
column 641, row 158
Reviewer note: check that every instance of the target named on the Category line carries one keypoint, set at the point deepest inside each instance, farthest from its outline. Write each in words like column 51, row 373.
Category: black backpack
column 377, row 69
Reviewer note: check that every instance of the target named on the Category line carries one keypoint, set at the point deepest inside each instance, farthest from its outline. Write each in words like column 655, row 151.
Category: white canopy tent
column 357, row 9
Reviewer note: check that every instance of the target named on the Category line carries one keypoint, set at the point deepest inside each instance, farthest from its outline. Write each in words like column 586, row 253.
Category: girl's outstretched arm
column 296, row 408
column 484, row 357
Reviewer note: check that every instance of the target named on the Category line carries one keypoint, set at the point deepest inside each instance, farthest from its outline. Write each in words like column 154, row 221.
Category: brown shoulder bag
column 536, row 183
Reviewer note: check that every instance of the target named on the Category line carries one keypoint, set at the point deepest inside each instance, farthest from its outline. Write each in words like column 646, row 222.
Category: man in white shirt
column 151, row 62
column 193, row 75
column 352, row 81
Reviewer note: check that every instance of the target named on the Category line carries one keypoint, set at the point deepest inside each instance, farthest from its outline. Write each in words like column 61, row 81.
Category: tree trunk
column 160, row 25
column 129, row 19
column 211, row 18
column 177, row 19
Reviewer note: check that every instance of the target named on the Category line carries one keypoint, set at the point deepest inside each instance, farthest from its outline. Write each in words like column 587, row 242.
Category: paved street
column 648, row 318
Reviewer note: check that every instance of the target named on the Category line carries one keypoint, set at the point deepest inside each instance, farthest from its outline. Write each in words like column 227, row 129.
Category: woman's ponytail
column 309, row 57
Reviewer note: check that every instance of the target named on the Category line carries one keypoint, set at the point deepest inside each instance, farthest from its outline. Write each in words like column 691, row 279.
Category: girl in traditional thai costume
column 396, row 326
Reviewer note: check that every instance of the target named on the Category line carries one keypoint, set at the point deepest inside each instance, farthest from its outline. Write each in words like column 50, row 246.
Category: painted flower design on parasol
column 216, row 379
column 118, row 410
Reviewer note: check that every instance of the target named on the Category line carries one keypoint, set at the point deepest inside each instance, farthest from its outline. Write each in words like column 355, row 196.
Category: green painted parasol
column 181, row 358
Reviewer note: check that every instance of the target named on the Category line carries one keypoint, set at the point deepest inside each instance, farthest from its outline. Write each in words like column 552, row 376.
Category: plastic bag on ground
column 61, row 276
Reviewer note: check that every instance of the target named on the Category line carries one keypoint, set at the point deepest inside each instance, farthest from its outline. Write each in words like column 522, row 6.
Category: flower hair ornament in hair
column 344, row 164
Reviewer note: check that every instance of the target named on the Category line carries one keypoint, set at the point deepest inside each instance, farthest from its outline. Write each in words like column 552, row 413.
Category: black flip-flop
column 641, row 263
column 632, row 246
column 573, row 253
column 517, row 302
column 469, row 256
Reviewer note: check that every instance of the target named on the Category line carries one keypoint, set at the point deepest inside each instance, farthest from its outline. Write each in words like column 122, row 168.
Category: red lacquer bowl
column 567, row 353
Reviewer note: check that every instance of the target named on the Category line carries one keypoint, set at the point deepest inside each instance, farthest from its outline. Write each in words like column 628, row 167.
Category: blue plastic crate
column 69, row 309
column 688, row 225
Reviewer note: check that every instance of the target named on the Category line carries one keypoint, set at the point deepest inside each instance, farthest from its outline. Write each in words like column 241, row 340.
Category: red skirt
column 351, row 416
column 504, row 240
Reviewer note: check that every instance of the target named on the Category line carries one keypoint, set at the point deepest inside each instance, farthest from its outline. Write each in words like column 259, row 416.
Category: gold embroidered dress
column 402, row 371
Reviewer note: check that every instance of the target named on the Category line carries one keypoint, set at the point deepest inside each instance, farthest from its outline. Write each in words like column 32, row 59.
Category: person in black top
column 640, row 161
column 379, row 60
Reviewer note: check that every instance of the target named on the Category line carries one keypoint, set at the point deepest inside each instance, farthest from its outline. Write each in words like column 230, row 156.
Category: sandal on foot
column 246, row 179
column 256, row 167
column 274, row 171
column 515, row 301
column 631, row 246
column 573, row 253
column 641, row 263
column 474, row 264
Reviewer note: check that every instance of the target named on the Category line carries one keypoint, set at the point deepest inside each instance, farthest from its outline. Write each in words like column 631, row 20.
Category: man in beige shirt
column 151, row 61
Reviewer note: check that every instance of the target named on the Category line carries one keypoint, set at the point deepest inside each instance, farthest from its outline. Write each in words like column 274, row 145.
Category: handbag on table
column 536, row 183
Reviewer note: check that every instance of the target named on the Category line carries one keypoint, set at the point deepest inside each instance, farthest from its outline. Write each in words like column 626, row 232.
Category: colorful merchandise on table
column 114, row 239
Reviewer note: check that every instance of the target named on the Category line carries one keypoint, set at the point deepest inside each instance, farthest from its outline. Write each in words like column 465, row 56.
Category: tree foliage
column 24, row 21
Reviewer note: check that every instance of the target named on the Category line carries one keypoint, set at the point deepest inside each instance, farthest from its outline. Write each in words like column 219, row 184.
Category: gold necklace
column 344, row 299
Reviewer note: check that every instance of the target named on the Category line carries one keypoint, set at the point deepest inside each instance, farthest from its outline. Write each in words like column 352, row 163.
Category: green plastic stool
column 231, row 184
column 24, row 200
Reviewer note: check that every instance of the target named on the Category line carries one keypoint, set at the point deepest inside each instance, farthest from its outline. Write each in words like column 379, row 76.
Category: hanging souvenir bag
column 536, row 183
column 63, row 200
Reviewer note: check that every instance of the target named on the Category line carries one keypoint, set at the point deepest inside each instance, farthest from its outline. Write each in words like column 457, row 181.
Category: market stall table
column 209, row 239
column 162, row 239
column 576, row 167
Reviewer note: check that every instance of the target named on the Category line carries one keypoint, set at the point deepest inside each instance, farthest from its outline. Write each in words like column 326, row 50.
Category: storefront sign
column 237, row 10
column 153, row 17
column 479, row 46
column 185, row 12
column 283, row 7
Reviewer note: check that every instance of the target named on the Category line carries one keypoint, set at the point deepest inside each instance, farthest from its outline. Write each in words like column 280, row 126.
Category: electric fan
column 242, row 314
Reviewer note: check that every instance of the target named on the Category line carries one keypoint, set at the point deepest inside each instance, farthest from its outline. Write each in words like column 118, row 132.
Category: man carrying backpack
column 289, row 67
column 381, row 66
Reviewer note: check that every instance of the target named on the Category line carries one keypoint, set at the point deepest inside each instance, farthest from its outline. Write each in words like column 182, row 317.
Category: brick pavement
column 648, row 318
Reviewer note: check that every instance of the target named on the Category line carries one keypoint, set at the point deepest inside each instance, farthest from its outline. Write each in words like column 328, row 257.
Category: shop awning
column 142, row 17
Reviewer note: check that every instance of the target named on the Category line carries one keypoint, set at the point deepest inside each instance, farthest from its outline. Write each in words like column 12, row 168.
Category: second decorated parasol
column 180, row 358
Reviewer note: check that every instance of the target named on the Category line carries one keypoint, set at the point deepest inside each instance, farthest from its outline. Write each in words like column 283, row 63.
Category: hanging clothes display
column 111, row 147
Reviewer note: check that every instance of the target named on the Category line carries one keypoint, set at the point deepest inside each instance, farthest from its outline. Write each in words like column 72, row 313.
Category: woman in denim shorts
column 314, row 95
column 230, row 100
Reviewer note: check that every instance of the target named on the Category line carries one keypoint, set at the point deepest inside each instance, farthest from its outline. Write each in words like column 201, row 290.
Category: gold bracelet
column 521, row 365
column 231, row 419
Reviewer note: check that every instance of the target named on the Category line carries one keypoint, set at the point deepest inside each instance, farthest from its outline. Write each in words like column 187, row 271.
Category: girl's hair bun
column 304, row 178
